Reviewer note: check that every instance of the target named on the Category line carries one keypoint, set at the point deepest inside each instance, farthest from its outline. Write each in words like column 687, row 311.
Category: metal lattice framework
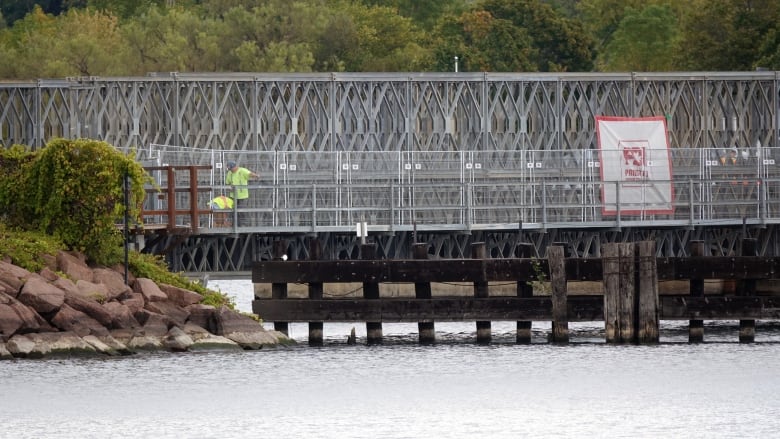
column 448, row 158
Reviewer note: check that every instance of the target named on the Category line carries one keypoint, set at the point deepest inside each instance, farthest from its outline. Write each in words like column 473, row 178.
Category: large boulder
column 8, row 270
column 244, row 330
column 153, row 324
column 92, row 290
column 90, row 307
column 42, row 296
column 228, row 321
column 107, row 345
column 147, row 288
column 29, row 320
column 180, row 296
column 61, row 343
column 203, row 316
column 114, row 282
column 209, row 342
column 10, row 321
column 8, row 289
column 75, row 267
column 4, row 354
column 22, row 347
column 134, row 301
column 177, row 340
column 168, row 308
column 121, row 316
column 69, row 319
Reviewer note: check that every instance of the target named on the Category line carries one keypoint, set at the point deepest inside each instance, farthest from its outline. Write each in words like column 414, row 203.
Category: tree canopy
column 134, row 37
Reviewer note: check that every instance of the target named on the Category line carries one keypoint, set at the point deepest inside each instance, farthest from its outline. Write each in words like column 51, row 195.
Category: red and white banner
column 636, row 167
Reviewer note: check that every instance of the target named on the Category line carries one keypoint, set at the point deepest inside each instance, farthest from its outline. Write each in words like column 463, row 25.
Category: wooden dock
column 630, row 304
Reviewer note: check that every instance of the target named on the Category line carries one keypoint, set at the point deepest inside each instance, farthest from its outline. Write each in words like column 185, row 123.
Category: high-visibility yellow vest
column 221, row 202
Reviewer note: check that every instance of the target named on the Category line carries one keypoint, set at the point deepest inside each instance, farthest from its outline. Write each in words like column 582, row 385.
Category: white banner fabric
column 636, row 167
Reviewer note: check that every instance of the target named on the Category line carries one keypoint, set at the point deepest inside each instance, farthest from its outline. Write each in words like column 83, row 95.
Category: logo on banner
column 634, row 160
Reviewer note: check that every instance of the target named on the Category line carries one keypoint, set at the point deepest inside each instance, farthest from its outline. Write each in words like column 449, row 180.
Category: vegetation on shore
column 68, row 196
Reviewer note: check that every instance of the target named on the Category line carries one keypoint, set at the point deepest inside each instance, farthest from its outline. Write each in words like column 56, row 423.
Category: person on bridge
column 219, row 205
column 238, row 177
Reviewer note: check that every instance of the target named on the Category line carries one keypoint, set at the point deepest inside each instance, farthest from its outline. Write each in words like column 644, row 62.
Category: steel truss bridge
column 444, row 158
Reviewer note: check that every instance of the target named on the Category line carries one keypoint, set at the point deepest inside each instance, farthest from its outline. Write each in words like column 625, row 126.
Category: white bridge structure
column 509, row 159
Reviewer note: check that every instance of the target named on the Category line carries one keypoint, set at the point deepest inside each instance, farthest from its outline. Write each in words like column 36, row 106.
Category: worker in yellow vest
column 219, row 205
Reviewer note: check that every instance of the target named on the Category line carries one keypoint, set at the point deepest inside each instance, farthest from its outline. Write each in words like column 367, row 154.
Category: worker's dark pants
column 243, row 217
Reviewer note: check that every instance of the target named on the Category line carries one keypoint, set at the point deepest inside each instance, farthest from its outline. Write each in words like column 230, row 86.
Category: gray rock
column 41, row 296
column 22, row 347
column 60, row 343
column 177, row 340
column 145, row 343
column 113, row 348
column 214, row 342
column 253, row 340
column 4, row 354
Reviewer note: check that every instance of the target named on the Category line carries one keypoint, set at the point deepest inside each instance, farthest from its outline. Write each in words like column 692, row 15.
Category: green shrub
column 74, row 191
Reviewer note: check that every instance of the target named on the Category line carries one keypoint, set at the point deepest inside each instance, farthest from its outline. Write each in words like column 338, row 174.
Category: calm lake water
column 454, row 389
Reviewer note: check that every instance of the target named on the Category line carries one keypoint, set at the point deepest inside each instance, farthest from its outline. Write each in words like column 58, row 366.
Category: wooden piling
column 560, row 322
column 315, row 292
column 747, row 287
column 647, row 331
column 479, row 251
column 696, row 289
column 279, row 290
column 627, row 294
column 422, row 290
column 524, row 289
column 371, row 291
column 611, row 280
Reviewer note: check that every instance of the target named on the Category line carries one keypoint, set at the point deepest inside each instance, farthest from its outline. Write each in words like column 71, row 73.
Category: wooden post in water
column 479, row 251
column 278, row 290
column 371, row 291
column 619, row 292
column 315, row 292
column 696, row 289
column 627, row 297
column 524, row 289
column 747, row 287
column 422, row 290
column 648, row 293
column 560, row 314
column 611, row 281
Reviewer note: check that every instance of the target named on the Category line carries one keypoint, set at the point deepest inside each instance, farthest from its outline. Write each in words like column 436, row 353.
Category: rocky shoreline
column 70, row 308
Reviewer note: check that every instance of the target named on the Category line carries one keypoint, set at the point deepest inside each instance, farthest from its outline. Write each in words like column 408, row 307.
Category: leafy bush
column 26, row 249
column 74, row 191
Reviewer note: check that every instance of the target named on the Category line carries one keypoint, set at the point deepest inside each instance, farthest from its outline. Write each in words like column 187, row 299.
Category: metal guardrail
column 300, row 193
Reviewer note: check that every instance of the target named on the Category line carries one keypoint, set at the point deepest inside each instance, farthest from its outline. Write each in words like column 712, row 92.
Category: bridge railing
column 463, row 190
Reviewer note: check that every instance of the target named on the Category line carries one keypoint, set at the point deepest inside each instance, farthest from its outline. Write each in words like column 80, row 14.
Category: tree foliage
column 643, row 41
column 73, row 190
column 134, row 37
